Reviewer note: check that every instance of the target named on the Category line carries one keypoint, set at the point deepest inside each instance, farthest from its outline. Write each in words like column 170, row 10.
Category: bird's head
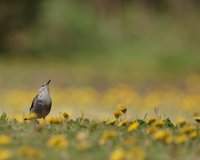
column 44, row 87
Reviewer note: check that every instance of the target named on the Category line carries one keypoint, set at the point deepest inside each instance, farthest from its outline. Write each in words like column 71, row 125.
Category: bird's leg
column 44, row 120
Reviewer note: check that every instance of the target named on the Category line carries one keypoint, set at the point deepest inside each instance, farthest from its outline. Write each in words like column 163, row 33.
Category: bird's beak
column 48, row 82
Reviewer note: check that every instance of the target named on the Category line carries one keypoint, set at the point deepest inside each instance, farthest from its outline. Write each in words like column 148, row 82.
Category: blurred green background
column 99, row 42
column 143, row 44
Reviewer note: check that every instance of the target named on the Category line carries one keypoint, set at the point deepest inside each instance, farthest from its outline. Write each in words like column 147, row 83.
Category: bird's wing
column 50, row 103
column 33, row 102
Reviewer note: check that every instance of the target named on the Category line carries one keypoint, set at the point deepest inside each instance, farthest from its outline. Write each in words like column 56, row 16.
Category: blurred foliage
column 79, row 28
column 99, row 43
column 15, row 17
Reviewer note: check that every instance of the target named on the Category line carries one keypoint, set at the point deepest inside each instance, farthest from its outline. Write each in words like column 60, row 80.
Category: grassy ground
column 82, row 138
column 97, row 87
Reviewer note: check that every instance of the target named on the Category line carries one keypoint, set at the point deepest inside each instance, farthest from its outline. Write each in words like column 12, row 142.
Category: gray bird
column 41, row 104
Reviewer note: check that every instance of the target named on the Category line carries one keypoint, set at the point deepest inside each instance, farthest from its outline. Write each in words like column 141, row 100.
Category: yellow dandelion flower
column 136, row 153
column 57, row 141
column 54, row 120
column 159, row 123
column 19, row 118
column 106, row 136
column 129, row 140
column 111, row 122
column 160, row 135
column 195, row 113
column 110, row 134
column 122, row 123
column 134, row 126
column 193, row 135
column 151, row 120
column 82, row 135
column 181, row 122
column 83, row 145
column 65, row 115
column 117, row 113
column 169, row 139
column 102, row 141
column 197, row 119
column 31, row 116
column 29, row 152
column 41, row 121
column 180, row 139
column 151, row 130
column 187, row 129
column 5, row 154
column 4, row 139
column 118, row 154
column 123, row 108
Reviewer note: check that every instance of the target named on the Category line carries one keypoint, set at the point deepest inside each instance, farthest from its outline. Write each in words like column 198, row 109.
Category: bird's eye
column 42, row 85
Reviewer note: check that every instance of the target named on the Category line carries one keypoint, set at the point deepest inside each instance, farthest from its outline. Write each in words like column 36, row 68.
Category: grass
column 88, row 139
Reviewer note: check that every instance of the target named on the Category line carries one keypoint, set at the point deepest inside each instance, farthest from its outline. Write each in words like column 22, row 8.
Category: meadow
column 125, row 79
column 118, row 138
column 98, row 115
column 115, row 122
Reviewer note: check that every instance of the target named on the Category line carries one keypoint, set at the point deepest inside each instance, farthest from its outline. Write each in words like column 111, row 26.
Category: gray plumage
column 41, row 104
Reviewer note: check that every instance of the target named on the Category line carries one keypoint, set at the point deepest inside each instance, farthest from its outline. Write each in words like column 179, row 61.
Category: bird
column 41, row 104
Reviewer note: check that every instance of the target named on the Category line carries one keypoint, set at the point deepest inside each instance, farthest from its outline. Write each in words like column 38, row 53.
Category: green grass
column 27, row 134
